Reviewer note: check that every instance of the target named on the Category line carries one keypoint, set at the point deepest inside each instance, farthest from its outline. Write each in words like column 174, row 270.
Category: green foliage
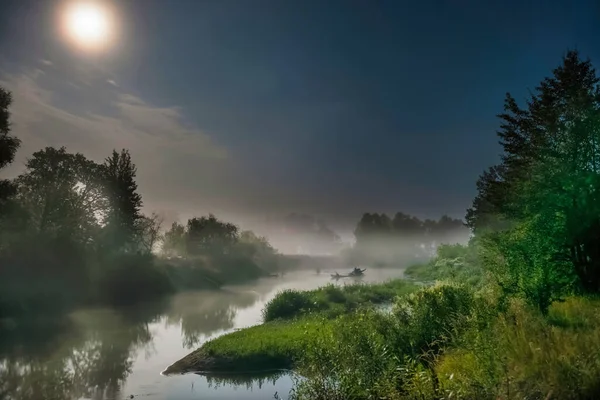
column 289, row 304
column 431, row 315
column 455, row 263
column 522, row 264
column 371, row 355
column 333, row 300
column 72, row 233
column 208, row 235
column 506, row 325
column 274, row 345
column 521, row 354
column 537, row 212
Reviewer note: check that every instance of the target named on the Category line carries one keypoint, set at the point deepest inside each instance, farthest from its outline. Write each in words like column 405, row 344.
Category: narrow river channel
column 120, row 354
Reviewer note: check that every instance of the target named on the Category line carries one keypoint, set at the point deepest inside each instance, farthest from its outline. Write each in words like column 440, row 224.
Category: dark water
column 116, row 354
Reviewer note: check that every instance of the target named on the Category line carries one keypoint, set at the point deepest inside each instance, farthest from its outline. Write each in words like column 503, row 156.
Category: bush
column 289, row 304
column 522, row 354
column 372, row 355
column 455, row 263
column 333, row 300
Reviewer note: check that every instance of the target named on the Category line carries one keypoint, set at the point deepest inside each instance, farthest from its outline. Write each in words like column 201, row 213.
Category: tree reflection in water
column 90, row 353
column 202, row 314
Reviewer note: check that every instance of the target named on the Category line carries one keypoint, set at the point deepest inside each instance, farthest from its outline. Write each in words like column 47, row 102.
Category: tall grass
column 423, row 351
column 332, row 300
column 453, row 263
column 526, row 355
column 275, row 345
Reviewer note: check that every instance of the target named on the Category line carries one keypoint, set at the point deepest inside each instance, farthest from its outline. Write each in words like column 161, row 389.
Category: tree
column 124, row 200
column 209, row 235
column 372, row 225
column 547, row 186
column 63, row 194
column 257, row 248
column 148, row 229
column 407, row 226
column 174, row 241
column 8, row 147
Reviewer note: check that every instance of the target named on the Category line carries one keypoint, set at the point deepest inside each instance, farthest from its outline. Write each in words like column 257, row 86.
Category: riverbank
column 125, row 281
column 447, row 339
column 293, row 321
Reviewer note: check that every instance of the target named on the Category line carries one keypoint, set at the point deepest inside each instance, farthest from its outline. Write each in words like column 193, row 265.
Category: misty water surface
column 114, row 354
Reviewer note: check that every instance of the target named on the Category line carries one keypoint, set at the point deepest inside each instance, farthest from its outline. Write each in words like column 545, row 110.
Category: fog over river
column 115, row 354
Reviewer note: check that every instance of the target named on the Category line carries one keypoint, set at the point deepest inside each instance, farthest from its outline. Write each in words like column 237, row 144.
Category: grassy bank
column 275, row 345
column 294, row 322
column 447, row 340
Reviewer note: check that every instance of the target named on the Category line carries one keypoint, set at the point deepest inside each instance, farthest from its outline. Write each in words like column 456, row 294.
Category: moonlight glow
column 88, row 24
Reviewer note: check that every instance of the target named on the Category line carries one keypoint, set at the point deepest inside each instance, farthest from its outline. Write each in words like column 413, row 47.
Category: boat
column 357, row 272
column 338, row 276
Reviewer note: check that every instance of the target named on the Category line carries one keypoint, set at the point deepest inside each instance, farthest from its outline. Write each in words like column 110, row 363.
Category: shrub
column 289, row 304
column 430, row 316
column 333, row 300
column 524, row 355
column 456, row 263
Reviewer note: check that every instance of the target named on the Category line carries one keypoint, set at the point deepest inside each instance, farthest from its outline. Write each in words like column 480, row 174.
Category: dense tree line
column 386, row 240
column 72, row 231
column 409, row 228
column 537, row 213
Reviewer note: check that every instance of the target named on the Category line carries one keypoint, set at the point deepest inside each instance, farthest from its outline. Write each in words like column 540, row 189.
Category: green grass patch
column 270, row 346
column 297, row 321
column 333, row 301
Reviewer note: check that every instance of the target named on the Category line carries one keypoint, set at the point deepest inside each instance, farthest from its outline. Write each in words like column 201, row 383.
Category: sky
column 254, row 108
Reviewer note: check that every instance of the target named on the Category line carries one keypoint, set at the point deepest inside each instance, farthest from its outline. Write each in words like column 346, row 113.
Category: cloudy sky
column 249, row 108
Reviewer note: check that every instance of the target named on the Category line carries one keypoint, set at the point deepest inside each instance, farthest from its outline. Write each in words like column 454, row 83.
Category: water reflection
column 245, row 381
column 89, row 356
column 203, row 314
column 91, row 353
column 105, row 354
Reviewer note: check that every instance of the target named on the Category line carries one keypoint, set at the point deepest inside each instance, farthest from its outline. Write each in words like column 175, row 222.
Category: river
column 120, row 354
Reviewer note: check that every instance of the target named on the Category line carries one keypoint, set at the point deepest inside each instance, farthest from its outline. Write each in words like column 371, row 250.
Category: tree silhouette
column 8, row 147
column 124, row 200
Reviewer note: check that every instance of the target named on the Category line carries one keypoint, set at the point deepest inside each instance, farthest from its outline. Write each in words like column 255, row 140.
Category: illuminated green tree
column 545, row 193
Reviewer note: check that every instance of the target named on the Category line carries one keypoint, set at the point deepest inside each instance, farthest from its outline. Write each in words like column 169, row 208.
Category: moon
column 88, row 24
